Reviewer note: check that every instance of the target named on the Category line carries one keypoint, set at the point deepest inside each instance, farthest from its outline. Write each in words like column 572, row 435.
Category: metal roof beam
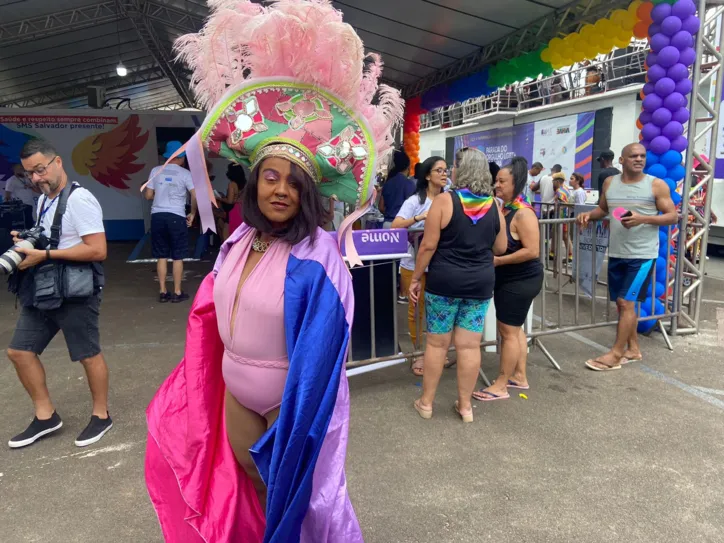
column 145, row 74
column 558, row 22
column 135, row 11
column 93, row 15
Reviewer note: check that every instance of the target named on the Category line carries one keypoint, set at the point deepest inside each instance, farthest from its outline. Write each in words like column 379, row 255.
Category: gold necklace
column 259, row 246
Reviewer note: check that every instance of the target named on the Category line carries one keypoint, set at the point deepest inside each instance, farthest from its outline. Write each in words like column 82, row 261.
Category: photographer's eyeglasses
column 441, row 171
column 40, row 170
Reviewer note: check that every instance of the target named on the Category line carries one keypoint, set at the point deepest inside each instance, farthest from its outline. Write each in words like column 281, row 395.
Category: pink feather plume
column 303, row 39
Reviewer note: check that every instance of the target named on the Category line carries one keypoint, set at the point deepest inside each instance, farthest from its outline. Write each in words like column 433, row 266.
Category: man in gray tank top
column 637, row 199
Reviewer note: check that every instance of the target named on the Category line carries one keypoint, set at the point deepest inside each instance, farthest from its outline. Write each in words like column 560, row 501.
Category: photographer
column 59, row 288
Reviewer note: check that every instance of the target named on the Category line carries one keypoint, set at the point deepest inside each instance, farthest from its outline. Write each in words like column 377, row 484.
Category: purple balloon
column 648, row 89
column 673, row 130
column 679, row 144
column 651, row 59
column 671, row 25
column 661, row 117
column 646, row 144
column 681, row 115
column 660, row 12
column 691, row 24
column 652, row 103
column 668, row 56
column 682, row 9
column 664, row 87
column 656, row 72
column 674, row 101
column 660, row 145
column 682, row 40
column 684, row 87
column 659, row 41
column 650, row 131
column 687, row 56
column 645, row 117
column 654, row 29
column 678, row 72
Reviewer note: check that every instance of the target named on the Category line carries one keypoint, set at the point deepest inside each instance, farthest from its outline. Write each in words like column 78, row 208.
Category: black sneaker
column 96, row 429
column 402, row 300
column 164, row 297
column 176, row 298
column 37, row 429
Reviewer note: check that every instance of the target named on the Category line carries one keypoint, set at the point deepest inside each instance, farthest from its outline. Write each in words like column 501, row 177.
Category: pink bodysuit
column 255, row 362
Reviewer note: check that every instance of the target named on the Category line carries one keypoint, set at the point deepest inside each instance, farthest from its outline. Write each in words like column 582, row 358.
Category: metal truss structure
column 142, row 14
column 696, row 211
column 528, row 38
column 135, row 11
column 147, row 73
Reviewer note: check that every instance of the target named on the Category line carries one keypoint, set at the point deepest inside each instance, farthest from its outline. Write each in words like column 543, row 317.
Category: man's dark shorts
column 169, row 236
column 629, row 278
column 78, row 321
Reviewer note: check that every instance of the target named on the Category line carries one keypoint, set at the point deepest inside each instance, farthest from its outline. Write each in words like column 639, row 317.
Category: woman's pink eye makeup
column 271, row 175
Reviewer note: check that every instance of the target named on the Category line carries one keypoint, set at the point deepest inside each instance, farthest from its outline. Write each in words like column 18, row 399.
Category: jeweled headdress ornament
column 289, row 79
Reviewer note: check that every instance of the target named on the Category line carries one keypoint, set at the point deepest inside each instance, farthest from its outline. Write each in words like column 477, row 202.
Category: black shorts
column 169, row 236
column 78, row 321
column 629, row 278
column 514, row 298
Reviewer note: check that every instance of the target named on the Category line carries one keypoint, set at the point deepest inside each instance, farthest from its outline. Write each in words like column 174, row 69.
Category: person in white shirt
column 579, row 194
column 81, row 247
column 20, row 188
column 533, row 177
column 167, row 187
column 431, row 180
column 547, row 191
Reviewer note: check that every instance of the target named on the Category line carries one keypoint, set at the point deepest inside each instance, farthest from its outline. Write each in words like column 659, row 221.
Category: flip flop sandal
column 424, row 413
column 591, row 364
column 417, row 364
column 491, row 397
column 514, row 384
column 449, row 364
column 625, row 360
column 467, row 417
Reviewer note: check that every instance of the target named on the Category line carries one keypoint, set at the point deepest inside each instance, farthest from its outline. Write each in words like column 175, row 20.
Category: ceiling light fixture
column 121, row 70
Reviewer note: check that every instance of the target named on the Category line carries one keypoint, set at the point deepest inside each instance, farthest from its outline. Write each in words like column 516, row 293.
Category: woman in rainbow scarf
column 518, row 280
column 464, row 229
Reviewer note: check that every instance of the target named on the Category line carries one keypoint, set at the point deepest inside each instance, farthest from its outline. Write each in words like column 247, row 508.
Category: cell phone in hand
column 627, row 214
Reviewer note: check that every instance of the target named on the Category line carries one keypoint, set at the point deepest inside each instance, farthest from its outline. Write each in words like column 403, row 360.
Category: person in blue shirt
column 398, row 188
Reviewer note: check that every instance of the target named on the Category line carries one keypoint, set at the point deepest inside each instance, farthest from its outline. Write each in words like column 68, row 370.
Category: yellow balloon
column 546, row 54
column 621, row 43
column 587, row 32
column 634, row 6
column 618, row 16
column 556, row 45
column 624, row 34
column 629, row 22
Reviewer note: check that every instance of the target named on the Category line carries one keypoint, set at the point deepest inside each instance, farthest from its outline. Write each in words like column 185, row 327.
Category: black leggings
column 514, row 298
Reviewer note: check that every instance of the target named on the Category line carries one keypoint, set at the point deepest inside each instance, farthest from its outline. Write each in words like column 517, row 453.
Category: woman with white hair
column 463, row 231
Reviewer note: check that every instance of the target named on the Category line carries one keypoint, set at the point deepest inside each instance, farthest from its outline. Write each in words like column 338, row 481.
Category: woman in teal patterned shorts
column 463, row 230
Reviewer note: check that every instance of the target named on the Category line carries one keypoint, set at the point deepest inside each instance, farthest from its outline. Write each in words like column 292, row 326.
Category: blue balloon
column 660, row 269
column 658, row 289
column 670, row 159
column 676, row 197
column 646, row 326
column 671, row 183
column 657, row 170
column 652, row 159
column 663, row 242
column 676, row 173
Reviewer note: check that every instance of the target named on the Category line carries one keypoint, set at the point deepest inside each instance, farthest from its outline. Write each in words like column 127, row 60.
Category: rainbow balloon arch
column 670, row 26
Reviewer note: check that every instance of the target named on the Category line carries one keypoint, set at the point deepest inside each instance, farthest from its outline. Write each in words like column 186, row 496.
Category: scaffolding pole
column 691, row 250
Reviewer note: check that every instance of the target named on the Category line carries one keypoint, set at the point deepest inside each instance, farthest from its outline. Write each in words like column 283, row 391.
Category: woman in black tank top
column 518, row 280
column 463, row 231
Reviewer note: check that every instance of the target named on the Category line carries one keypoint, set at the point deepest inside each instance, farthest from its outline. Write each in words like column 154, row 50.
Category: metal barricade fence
column 561, row 305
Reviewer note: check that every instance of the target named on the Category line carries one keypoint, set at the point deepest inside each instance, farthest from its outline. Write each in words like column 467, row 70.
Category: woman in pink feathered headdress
column 247, row 437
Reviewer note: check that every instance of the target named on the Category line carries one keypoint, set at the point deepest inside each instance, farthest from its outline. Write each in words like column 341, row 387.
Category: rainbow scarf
column 520, row 202
column 474, row 206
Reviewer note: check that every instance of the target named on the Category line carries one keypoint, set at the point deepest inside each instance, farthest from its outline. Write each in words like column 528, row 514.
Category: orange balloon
column 641, row 94
column 641, row 136
column 641, row 29
column 639, row 125
column 644, row 11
